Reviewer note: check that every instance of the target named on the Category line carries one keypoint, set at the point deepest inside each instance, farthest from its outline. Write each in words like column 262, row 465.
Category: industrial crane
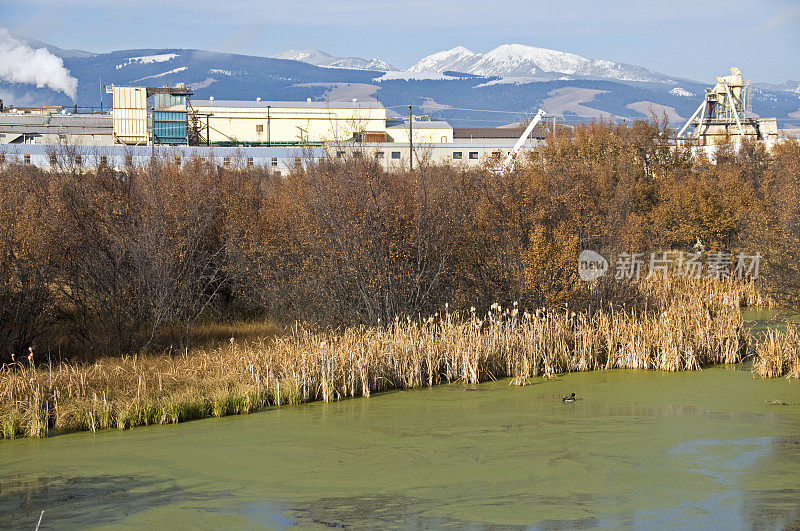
column 508, row 162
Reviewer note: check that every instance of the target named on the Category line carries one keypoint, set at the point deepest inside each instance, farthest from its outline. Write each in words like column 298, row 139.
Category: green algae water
column 638, row 449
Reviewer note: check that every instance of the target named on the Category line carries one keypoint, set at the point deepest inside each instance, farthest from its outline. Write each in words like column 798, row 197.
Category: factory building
column 149, row 122
column 726, row 115
column 76, row 157
column 393, row 155
column 275, row 123
column 421, row 131
column 55, row 128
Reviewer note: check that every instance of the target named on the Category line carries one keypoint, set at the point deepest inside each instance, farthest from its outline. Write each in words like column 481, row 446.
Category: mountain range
column 318, row 58
column 517, row 60
column 495, row 88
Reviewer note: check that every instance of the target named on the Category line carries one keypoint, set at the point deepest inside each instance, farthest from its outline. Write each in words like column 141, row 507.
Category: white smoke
column 22, row 64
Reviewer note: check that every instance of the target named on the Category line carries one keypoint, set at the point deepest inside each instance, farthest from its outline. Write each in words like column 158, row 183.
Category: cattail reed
column 305, row 365
column 778, row 353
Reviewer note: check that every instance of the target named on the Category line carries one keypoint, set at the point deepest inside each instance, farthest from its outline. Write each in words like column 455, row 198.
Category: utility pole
column 410, row 140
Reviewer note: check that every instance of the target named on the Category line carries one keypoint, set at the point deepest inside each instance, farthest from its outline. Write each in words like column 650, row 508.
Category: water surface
column 639, row 449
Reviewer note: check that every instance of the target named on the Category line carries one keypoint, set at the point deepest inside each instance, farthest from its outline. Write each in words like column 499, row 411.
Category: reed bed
column 727, row 293
column 305, row 364
column 778, row 353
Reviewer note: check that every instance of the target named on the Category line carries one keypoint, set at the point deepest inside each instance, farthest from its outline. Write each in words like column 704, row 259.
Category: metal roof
column 55, row 123
column 23, row 119
column 493, row 132
column 288, row 104
column 423, row 124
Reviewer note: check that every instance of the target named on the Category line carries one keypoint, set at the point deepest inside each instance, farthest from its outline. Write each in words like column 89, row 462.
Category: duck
column 568, row 399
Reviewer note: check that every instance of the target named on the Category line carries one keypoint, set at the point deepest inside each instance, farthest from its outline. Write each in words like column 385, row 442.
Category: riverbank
column 306, row 365
column 696, row 324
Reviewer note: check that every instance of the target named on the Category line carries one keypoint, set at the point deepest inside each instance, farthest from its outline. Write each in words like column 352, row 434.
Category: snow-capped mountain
column 459, row 59
column 680, row 91
column 319, row 58
column 570, row 94
column 518, row 60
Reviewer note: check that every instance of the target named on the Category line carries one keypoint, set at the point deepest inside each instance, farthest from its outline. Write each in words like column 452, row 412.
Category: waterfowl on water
column 570, row 398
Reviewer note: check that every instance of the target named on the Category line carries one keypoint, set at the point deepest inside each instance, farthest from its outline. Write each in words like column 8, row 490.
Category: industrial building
column 726, row 115
column 275, row 123
column 55, row 128
column 420, row 131
column 148, row 122
column 390, row 155
column 469, row 153
column 75, row 157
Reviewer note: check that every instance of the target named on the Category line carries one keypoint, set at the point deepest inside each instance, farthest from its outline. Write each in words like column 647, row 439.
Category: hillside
column 467, row 89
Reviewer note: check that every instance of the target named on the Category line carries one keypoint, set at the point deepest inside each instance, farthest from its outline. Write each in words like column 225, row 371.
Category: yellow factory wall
column 284, row 124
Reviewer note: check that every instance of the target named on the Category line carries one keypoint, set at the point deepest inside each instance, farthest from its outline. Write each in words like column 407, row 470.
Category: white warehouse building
column 286, row 122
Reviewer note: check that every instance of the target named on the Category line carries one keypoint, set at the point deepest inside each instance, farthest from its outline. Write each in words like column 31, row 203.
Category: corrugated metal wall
column 169, row 127
column 130, row 115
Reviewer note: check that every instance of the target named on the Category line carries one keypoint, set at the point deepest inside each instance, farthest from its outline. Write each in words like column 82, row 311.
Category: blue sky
column 695, row 39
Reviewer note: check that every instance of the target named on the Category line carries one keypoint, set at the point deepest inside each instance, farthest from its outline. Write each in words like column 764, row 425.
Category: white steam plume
column 23, row 64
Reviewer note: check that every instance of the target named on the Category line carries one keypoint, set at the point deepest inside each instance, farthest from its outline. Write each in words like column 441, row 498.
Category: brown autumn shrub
column 110, row 261
column 26, row 266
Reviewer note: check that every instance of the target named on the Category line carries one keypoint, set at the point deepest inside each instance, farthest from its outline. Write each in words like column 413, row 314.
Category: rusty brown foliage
column 101, row 261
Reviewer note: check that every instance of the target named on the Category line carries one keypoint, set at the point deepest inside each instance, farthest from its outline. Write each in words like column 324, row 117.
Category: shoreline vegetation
column 698, row 325
column 121, row 288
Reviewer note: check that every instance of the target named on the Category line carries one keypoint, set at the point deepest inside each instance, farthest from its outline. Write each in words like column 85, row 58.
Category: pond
column 637, row 449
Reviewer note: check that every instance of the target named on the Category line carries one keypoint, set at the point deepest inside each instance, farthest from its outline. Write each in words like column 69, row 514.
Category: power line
column 463, row 109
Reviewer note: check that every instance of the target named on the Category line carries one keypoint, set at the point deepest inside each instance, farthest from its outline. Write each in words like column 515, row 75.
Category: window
column 473, row 155
column 496, row 155
column 26, row 159
column 274, row 162
column 340, row 154
column 129, row 160
column 444, row 140
column 226, row 161
column 250, row 162
column 78, row 160
column 259, row 128
column 177, row 160
column 379, row 154
column 103, row 160
column 53, row 159
column 456, row 155
column 297, row 161
column 395, row 154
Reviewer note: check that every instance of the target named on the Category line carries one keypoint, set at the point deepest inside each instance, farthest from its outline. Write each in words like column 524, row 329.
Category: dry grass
column 698, row 327
column 778, row 353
